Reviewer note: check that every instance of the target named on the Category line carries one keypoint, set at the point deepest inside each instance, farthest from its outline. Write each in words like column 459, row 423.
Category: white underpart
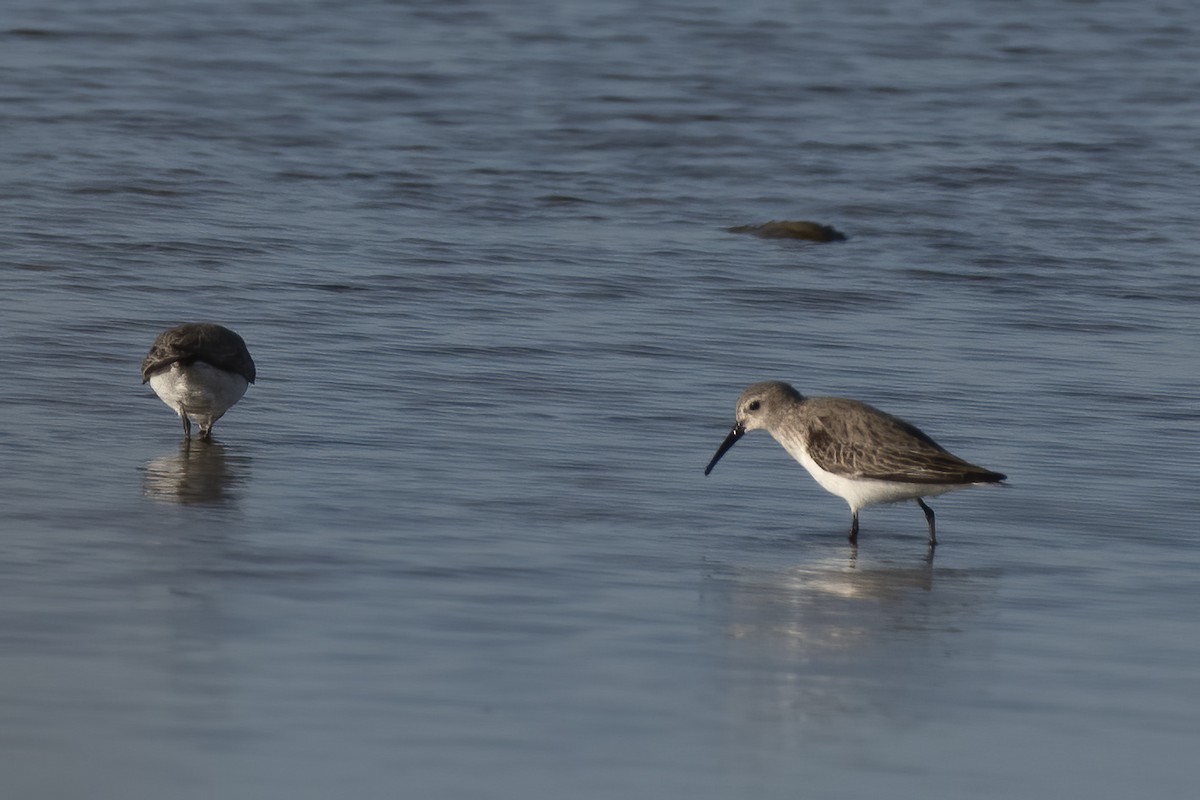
column 863, row 492
column 199, row 390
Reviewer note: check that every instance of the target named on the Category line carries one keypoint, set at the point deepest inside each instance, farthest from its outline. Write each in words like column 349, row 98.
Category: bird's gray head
column 757, row 407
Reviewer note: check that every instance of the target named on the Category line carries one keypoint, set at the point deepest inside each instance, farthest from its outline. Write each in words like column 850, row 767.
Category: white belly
column 863, row 492
column 200, row 391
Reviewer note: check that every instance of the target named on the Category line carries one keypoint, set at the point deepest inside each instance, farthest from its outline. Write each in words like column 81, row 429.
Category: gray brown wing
column 863, row 442
column 212, row 344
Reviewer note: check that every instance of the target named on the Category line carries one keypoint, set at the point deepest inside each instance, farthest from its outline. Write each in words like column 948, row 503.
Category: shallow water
column 456, row 541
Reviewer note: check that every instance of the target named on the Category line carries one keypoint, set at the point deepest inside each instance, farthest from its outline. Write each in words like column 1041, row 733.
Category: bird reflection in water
column 201, row 472
column 827, row 604
column 833, row 639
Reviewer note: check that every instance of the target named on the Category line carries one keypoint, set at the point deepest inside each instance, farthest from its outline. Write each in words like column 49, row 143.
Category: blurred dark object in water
column 793, row 229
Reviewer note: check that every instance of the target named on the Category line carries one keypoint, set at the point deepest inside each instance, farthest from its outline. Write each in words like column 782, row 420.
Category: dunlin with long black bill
column 200, row 370
column 854, row 450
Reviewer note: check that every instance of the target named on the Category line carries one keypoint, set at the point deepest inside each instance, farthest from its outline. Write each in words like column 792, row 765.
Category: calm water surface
column 457, row 542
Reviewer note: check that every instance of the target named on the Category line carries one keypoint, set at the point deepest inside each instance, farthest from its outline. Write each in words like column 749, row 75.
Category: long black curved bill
column 730, row 440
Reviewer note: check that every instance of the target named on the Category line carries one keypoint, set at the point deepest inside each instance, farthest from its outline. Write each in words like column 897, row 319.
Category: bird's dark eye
column 753, row 406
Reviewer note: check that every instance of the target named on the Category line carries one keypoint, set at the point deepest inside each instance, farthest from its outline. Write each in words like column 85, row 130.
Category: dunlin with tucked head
column 200, row 370
column 854, row 450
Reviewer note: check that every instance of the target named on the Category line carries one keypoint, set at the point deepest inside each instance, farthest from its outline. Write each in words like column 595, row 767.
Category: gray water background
column 456, row 542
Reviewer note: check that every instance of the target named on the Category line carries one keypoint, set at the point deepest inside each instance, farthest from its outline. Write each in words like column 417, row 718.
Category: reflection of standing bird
column 200, row 370
column 854, row 450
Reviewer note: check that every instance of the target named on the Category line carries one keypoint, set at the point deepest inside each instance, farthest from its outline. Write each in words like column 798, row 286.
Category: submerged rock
column 793, row 229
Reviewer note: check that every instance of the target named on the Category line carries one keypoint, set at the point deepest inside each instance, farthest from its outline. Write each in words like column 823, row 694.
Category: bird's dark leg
column 929, row 518
column 854, row 526
column 206, row 430
column 187, row 425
